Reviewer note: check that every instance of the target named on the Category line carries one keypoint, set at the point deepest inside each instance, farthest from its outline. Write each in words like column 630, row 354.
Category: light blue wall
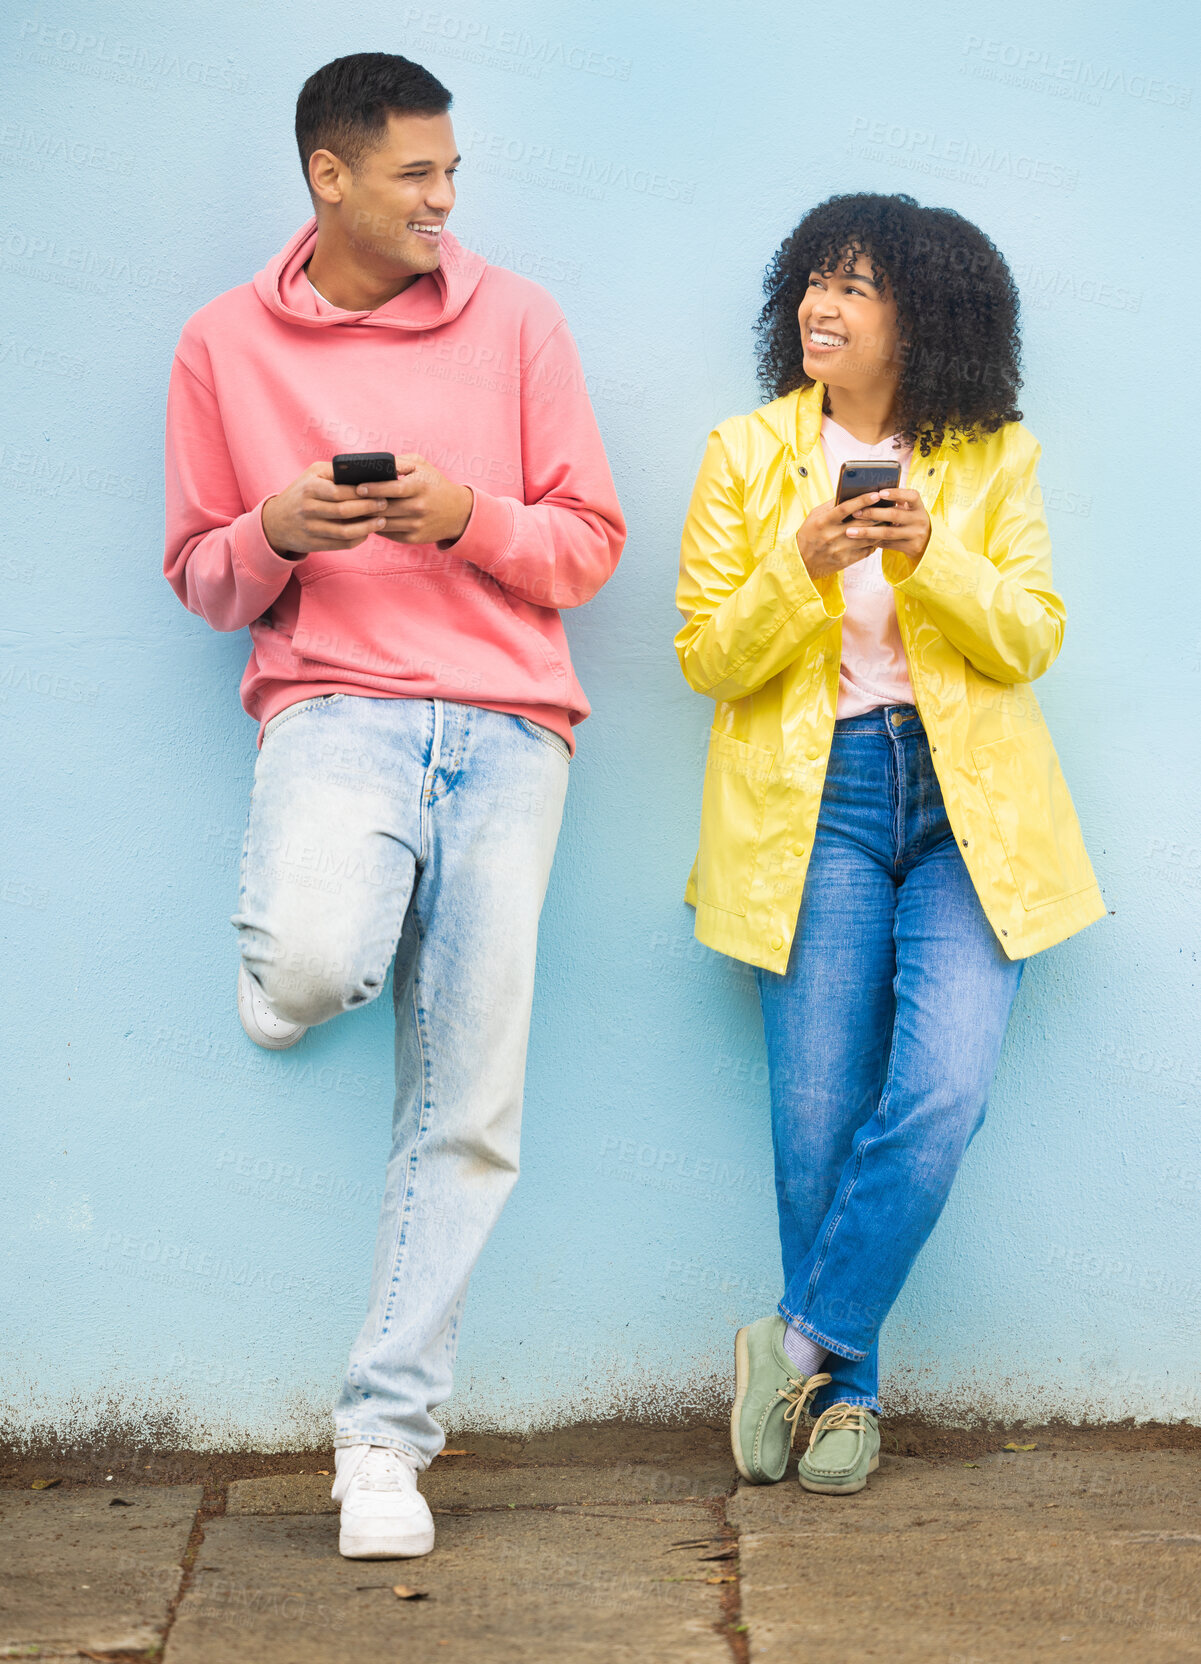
column 189, row 1219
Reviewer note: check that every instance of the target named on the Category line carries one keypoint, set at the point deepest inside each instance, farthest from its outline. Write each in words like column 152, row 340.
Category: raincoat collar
column 796, row 421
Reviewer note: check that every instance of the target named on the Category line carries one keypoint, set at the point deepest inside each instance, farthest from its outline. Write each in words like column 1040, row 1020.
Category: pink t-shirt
column 874, row 670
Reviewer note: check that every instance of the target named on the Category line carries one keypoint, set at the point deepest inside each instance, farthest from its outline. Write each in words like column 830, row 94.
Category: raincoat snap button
column 798, row 850
column 930, row 470
column 803, row 472
column 965, row 843
column 777, row 942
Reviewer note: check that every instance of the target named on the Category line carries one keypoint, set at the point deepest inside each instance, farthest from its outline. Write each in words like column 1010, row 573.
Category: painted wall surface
column 188, row 1221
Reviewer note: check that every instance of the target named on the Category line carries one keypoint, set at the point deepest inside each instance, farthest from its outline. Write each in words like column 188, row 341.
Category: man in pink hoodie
column 411, row 680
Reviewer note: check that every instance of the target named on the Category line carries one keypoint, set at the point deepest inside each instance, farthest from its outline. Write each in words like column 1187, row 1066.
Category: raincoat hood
column 436, row 298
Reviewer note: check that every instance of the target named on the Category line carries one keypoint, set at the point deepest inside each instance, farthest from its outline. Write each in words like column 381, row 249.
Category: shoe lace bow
column 851, row 1417
column 797, row 1395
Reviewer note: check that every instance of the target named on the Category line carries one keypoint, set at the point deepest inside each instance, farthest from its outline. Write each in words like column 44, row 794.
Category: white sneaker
column 384, row 1515
column 258, row 1019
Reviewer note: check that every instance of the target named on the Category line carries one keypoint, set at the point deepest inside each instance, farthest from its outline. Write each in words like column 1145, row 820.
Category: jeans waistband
column 885, row 719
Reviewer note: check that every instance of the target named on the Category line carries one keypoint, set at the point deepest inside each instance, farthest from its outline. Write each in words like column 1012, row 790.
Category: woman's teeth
column 821, row 339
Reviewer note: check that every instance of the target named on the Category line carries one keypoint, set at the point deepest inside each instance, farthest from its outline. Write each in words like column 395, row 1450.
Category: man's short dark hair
column 344, row 105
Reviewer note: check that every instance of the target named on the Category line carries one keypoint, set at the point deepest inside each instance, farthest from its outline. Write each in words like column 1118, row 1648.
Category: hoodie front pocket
column 429, row 627
column 732, row 805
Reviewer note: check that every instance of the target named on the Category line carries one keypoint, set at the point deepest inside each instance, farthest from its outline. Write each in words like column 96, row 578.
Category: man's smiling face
column 394, row 209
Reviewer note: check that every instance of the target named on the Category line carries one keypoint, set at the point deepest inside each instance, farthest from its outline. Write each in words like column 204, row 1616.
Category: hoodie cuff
column 488, row 533
column 254, row 554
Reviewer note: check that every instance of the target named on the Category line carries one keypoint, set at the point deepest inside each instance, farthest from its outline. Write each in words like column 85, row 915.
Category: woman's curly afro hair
column 957, row 312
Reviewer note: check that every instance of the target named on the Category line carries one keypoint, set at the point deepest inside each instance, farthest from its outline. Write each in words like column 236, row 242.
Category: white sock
column 806, row 1354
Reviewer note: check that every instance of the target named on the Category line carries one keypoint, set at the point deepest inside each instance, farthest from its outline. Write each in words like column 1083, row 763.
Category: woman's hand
column 838, row 534
column 902, row 523
column 825, row 540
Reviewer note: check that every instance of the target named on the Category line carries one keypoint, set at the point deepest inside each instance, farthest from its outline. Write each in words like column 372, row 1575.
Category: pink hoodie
column 473, row 367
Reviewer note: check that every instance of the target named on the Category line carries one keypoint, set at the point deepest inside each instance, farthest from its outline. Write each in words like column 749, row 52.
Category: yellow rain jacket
column 979, row 621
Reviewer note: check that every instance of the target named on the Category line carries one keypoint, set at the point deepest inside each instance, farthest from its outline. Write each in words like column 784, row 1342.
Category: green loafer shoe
column 844, row 1447
column 770, row 1396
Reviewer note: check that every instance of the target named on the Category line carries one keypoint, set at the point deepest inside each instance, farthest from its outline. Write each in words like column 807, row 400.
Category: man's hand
column 422, row 505
column 901, row 524
column 314, row 513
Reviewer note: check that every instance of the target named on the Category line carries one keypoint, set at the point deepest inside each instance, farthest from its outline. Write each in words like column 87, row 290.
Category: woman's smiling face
column 848, row 325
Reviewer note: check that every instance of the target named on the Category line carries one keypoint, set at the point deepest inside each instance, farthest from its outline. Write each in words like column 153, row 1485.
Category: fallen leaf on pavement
column 971, row 1464
column 722, row 1554
column 44, row 1484
column 403, row 1592
column 323, row 1473
column 1012, row 1446
column 457, row 1453
column 120, row 1502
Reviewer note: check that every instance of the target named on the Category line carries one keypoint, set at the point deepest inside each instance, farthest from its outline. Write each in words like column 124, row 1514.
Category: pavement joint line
column 575, row 1507
column 732, row 1629
column 212, row 1507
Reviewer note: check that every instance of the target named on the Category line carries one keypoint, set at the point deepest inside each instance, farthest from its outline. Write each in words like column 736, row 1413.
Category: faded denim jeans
column 423, row 830
column 883, row 1036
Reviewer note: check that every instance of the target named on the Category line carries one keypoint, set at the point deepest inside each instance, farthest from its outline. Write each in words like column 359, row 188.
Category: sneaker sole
column 838, row 1490
column 378, row 1546
column 742, row 1380
column 255, row 1033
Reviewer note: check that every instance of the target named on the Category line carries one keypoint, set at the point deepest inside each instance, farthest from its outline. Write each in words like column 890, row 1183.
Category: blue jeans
column 422, row 830
column 882, row 1040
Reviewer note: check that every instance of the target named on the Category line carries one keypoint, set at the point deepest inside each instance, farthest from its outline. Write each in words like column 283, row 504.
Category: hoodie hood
column 435, row 298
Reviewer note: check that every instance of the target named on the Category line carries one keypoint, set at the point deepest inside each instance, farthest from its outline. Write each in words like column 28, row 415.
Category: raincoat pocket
column 733, row 800
column 1036, row 822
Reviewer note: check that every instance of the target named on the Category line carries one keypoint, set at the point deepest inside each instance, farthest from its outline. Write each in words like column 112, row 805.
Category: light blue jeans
column 883, row 1036
column 422, row 830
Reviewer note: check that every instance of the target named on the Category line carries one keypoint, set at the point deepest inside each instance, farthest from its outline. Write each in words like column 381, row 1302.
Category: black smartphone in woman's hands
column 855, row 479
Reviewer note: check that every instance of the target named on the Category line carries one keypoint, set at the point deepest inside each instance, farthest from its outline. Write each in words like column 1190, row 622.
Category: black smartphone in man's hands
column 363, row 467
column 855, row 479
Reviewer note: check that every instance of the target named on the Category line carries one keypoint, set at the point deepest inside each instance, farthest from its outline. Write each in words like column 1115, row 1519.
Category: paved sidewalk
column 634, row 1546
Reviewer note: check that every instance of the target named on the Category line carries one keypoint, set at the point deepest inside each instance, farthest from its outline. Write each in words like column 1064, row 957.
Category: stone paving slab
column 575, row 1585
column 944, row 1564
column 1140, row 1491
column 1073, row 1556
column 448, row 1484
column 80, row 1575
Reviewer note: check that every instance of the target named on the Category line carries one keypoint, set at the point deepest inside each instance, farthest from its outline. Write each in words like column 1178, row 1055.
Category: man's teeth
column 820, row 339
column 433, row 230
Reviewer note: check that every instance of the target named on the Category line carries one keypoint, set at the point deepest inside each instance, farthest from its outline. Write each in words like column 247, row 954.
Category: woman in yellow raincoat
column 886, row 834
